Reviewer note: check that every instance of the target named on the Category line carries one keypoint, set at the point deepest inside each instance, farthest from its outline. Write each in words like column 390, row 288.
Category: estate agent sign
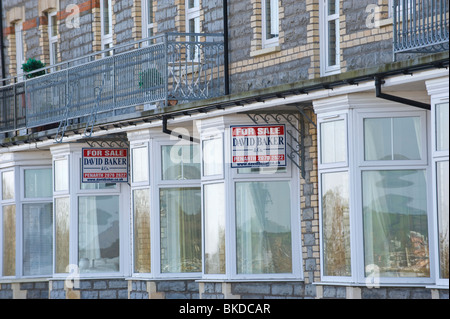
column 258, row 145
column 105, row 165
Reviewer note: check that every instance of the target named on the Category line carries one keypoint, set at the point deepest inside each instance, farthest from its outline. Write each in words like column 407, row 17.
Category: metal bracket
column 296, row 121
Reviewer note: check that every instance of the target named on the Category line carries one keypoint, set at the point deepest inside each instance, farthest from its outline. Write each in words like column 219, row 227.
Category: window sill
column 385, row 22
column 377, row 285
column 268, row 50
column 251, row 280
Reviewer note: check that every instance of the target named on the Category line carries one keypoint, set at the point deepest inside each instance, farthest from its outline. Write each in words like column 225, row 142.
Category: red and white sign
column 258, row 145
column 104, row 165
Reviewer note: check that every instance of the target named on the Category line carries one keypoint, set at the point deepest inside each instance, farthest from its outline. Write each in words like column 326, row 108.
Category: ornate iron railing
column 420, row 26
column 121, row 81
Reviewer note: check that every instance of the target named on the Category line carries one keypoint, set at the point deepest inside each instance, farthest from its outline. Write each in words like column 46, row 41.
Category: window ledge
column 268, row 50
column 377, row 285
column 251, row 280
column 385, row 22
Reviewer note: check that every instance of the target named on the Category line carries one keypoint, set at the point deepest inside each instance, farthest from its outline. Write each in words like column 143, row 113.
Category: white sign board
column 258, row 146
column 104, row 165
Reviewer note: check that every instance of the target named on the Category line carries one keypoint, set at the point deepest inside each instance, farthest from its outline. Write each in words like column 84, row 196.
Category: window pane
column 333, row 142
column 61, row 175
column 377, row 139
column 54, row 28
column 443, row 212
column 140, row 164
column 98, row 234
column 8, row 185
column 395, row 223
column 9, row 240
column 263, row 228
column 331, row 7
column 149, row 12
column 407, row 138
column 181, row 235
column 271, row 22
column 212, row 157
column 141, row 219
column 387, row 139
column 193, row 3
column 442, row 132
column 106, row 17
column 37, row 239
column 62, row 222
column 180, row 162
column 336, row 224
column 332, row 47
column 38, row 183
column 214, row 198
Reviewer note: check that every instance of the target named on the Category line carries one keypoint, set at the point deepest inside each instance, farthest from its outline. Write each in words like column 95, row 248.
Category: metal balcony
column 122, row 81
column 420, row 26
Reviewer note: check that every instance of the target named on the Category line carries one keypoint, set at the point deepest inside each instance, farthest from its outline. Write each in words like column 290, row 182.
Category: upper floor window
column 329, row 37
column 270, row 22
column 148, row 21
column 53, row 37
column 20, row 55
column 106, row 24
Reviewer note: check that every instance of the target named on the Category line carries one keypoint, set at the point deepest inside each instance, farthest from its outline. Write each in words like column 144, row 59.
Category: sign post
column 258, row 146
column 104, row 165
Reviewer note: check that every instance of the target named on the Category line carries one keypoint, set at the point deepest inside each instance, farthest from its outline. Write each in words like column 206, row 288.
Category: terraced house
column 224, row 149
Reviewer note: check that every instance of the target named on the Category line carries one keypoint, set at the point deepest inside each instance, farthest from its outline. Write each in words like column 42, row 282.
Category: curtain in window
column 395, row 223
column 181, row 236
column 9, row 240
column 98, row 234
column 37, row 239
column 263, row 228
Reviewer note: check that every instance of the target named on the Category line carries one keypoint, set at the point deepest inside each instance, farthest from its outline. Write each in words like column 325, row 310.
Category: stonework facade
column 273, row 80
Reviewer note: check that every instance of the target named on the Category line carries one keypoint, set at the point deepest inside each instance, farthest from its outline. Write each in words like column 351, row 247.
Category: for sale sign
column 104, row 165
column 258, row 145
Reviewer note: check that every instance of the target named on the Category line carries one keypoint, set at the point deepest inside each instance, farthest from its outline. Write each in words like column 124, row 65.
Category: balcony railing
column 420, row 26
column 121, row 81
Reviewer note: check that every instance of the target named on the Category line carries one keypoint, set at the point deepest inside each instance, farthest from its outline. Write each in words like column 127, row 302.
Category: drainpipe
column 225, row 47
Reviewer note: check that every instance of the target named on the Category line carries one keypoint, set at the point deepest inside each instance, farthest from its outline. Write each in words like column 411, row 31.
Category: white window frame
column 325, row 68
column 336, row 167
column 146, row 24
column 437, row 156
column 141, row 185
column 291, row 175
column 155, row 209
column 124, row 220
column 20, row 54
column 274, row 17
column 9, row 202
column 106, row 38
column 19, row 219
column 392, row 114
column 52, row 38
column 394, row 165
column 193, row 14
